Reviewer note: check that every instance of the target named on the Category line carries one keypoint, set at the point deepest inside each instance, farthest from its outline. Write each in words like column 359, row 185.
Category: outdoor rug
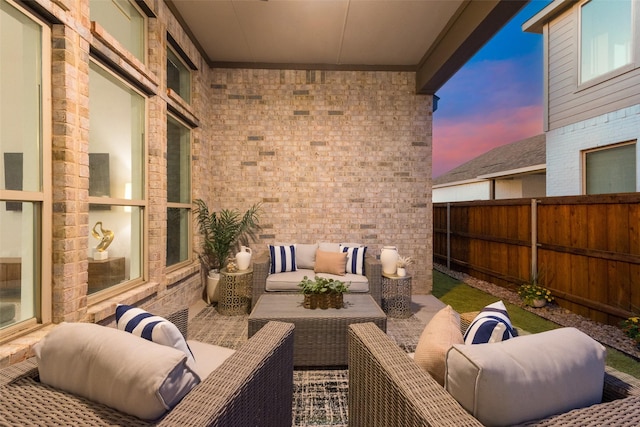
column 319, row 396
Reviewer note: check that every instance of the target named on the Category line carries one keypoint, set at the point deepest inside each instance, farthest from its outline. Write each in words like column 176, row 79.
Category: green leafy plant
column 533, row 291
column 321, row 285
column 631, row 328
column 224, row 231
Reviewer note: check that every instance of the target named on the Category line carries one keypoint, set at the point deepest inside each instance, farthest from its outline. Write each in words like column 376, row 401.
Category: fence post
column 448, row 236
column 534, row 239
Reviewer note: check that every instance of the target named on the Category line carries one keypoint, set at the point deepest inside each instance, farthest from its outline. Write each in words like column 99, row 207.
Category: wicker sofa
column 387, row 388
column 261, row 271
column 253, row 387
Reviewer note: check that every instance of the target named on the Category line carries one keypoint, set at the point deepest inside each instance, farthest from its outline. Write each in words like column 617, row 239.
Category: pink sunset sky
column 495, row 99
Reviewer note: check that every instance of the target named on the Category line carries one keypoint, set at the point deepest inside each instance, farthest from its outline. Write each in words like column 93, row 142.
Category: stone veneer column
column 332, row 155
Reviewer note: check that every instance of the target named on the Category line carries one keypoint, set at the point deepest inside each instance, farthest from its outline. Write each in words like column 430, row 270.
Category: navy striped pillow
column 152, row 328
column 283, row 258
column 355, row 259
column 492, row 324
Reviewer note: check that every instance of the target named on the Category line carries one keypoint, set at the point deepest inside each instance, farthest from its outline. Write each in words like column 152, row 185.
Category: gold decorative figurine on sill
column 105, row 236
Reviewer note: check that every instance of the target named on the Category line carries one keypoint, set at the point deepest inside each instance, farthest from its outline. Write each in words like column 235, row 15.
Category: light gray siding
column 567, row 101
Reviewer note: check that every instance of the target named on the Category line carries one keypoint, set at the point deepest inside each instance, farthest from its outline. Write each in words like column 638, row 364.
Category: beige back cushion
column 440, row 334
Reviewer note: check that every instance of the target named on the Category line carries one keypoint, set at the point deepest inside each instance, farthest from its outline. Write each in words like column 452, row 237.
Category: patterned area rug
column 319, row 396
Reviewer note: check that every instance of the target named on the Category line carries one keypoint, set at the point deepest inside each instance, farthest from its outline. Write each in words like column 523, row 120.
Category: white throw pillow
column 492, row 324
column 115, row 368
column 440, row 334
column 306, row 256
column 283, row 258
column 355, row 258
column 153, row 328
column 526, row 378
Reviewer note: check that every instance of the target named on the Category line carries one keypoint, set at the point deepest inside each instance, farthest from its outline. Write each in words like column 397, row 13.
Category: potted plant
column 222, row 232
column 402, row 264
column 322, row 292
column 631, row 328
column 535, row 295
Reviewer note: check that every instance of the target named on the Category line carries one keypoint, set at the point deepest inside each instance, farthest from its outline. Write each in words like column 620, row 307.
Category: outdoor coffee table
column 320, row 336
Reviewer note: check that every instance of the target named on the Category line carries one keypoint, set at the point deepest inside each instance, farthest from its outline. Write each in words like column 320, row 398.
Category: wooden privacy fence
column 585, row 249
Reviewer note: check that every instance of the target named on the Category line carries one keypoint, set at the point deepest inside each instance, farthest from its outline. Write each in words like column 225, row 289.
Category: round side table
column 396, row 295
column 235, row 292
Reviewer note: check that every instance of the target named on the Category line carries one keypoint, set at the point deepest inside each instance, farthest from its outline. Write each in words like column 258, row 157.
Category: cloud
column 456, row 141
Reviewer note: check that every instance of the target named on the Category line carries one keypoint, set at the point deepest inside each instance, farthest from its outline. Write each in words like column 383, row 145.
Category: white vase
column 243, row 258
column 213, row 291
column 389, row 259
column 402, row 272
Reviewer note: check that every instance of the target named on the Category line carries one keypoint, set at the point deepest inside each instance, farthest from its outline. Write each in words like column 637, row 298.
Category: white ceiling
column 341, row 34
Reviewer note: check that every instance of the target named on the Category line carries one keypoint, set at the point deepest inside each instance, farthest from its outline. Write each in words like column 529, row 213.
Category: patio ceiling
column 434, row 38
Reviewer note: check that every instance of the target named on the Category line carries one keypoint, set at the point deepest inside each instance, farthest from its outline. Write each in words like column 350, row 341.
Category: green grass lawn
column 464, row 298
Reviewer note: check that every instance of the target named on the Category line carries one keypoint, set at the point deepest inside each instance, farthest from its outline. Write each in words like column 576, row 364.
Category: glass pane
column 606, row 37
column 123, row 21
column 178, row 162
column 177, row 235
column 19, row 259
column 178, row 76
column 116, row 137
column 20, row 86
column 612, row 170
column 115, row 241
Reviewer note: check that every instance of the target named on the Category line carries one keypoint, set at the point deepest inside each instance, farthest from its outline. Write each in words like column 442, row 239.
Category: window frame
column 178, row 205
column 186, row 66
column 584, row 154
column 43, row 198
column 608, row 75
column 142, row 203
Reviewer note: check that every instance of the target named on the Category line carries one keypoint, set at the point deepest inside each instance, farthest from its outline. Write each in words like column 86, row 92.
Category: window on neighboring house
column 606, row 37
column 611, row 170
column 178, row 192
column 117, row 197
column 178, row 75
column 25, row 197
column 124, row 21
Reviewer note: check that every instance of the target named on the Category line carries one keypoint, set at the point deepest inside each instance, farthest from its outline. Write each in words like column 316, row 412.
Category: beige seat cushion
column 208, row 357
column 440, row 334
column 288, row 282
column 115, row 368
column 526, row 378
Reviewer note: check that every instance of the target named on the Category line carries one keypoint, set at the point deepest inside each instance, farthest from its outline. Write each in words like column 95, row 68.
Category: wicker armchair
column 254, row 387
column 372, row 269
column 387, row 388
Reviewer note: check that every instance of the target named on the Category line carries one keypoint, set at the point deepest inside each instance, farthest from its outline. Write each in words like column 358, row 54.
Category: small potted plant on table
column 322, row 292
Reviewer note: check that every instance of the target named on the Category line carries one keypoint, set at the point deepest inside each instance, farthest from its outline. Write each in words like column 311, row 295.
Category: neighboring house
column 591, row 95
column 116, row 115
column 510, row 171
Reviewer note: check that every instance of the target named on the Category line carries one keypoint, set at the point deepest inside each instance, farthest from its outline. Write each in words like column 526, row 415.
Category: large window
column 124, row 21
column 24, row 143
column 178, row 76
column 116, row 180
column 611, row 170
column 606, row 37
column 178, row 192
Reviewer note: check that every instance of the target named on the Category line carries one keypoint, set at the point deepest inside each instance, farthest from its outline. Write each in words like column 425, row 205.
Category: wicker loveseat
column 387, row 388
column 261, row 271
column 253, row 387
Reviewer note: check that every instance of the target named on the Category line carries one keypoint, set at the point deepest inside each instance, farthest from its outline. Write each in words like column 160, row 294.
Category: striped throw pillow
column 283, row 258
column 153, row 328
column 355, row 258
column 492, row 324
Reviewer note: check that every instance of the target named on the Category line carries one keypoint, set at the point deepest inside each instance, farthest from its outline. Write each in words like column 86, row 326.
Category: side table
column 235, row 292
column 396, row 295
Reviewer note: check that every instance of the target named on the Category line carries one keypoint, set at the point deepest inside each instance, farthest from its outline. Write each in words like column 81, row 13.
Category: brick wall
column 332, row 156
column 565, row 146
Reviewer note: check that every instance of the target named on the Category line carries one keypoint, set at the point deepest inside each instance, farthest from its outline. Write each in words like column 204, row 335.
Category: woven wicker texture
column 254, row 387
column 321, row 335
column 386, row 388
column 372, row 269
